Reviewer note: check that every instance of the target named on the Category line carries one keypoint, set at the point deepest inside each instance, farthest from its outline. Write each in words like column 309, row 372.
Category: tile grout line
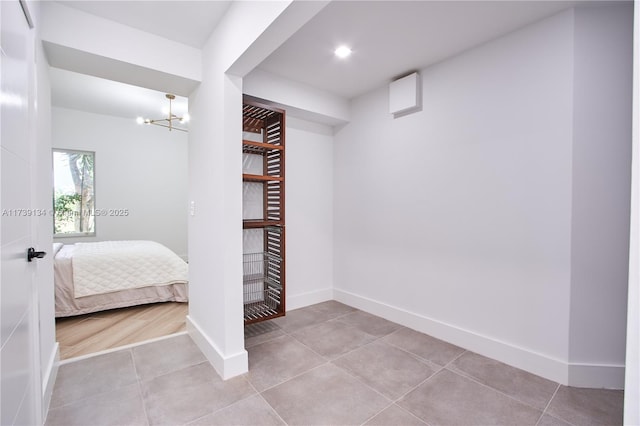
column 352, row 375
column 417, row 386
column 411, row 414
column 377, row 413
column 142, row 398
column 393, row 402
column 84, row 398
column 498, row 391
column 237, row 402
column 272, row 408
column 137, row 377
column 311, row 349
column 203, row 361
column 551, row 399
column 455, row 358
column 547, row 407
column 448, row 366
column 438, row 368
column 294, row 377
column 359, row 380
column 316, row 323
column 290, row 334
column 471, row 377
column 331, row 361
column 375, row 338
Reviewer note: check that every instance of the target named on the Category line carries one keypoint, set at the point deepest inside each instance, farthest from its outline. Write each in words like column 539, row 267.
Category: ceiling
column 185, row 21
column 392, row 38
column 99, row 96
column 388, row 38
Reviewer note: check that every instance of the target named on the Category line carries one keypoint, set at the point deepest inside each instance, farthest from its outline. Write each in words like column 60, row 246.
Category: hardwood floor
column 99, row 331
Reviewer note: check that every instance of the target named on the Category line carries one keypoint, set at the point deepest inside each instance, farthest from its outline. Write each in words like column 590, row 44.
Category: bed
column 92, row 277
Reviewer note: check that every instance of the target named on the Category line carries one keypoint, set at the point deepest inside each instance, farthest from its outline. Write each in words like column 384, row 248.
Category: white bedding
column 67, row 304
column 109, row 266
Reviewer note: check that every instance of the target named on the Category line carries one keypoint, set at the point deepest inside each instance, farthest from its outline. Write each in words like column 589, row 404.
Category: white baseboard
column 226, row 366
column 49, row 379
column 310, row 298
column 595, row 376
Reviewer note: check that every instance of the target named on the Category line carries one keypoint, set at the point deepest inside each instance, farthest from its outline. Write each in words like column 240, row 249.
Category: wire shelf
column 262, row 289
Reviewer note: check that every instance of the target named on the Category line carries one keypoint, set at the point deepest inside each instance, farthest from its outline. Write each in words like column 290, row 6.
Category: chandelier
column 171, row 120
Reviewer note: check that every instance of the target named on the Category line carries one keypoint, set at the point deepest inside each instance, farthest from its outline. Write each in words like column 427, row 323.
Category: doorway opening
column 139, row 191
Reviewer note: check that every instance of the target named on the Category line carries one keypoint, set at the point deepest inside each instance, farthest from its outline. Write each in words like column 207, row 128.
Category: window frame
column 73, row 234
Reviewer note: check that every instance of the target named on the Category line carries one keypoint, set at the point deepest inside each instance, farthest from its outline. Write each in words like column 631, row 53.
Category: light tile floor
column 327, row 364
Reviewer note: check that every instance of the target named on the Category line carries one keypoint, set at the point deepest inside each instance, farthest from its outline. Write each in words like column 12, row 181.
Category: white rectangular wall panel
column 403, row 94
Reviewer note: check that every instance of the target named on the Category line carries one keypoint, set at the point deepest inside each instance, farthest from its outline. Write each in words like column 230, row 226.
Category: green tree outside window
column 74, row 195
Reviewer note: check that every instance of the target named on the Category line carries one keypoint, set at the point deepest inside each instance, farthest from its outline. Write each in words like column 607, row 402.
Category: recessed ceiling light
column 342, row 51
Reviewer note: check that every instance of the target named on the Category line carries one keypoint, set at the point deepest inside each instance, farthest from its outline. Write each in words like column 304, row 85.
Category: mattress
column 68, row 305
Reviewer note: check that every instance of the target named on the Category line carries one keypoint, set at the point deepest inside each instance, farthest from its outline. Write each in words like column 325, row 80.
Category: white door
column 20, row 373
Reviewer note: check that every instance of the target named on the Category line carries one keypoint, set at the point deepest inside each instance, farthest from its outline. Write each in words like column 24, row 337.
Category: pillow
column 56, row 248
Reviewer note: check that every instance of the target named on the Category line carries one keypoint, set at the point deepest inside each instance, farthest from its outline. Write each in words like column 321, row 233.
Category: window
column 73, row 193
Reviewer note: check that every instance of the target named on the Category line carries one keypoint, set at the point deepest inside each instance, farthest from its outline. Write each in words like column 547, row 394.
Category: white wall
column 632, row 370
column 215, row 318
column 139, row 168
column 456, row 220
column 88, row 44
column 309, row 213
column 603, row 54
column 244, row 37
column 300, row 100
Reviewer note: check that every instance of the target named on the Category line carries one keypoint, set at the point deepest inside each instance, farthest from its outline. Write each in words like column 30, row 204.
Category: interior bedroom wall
column 142, row 169
column 603, row 76
column 309, row 212
column 456, row 220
